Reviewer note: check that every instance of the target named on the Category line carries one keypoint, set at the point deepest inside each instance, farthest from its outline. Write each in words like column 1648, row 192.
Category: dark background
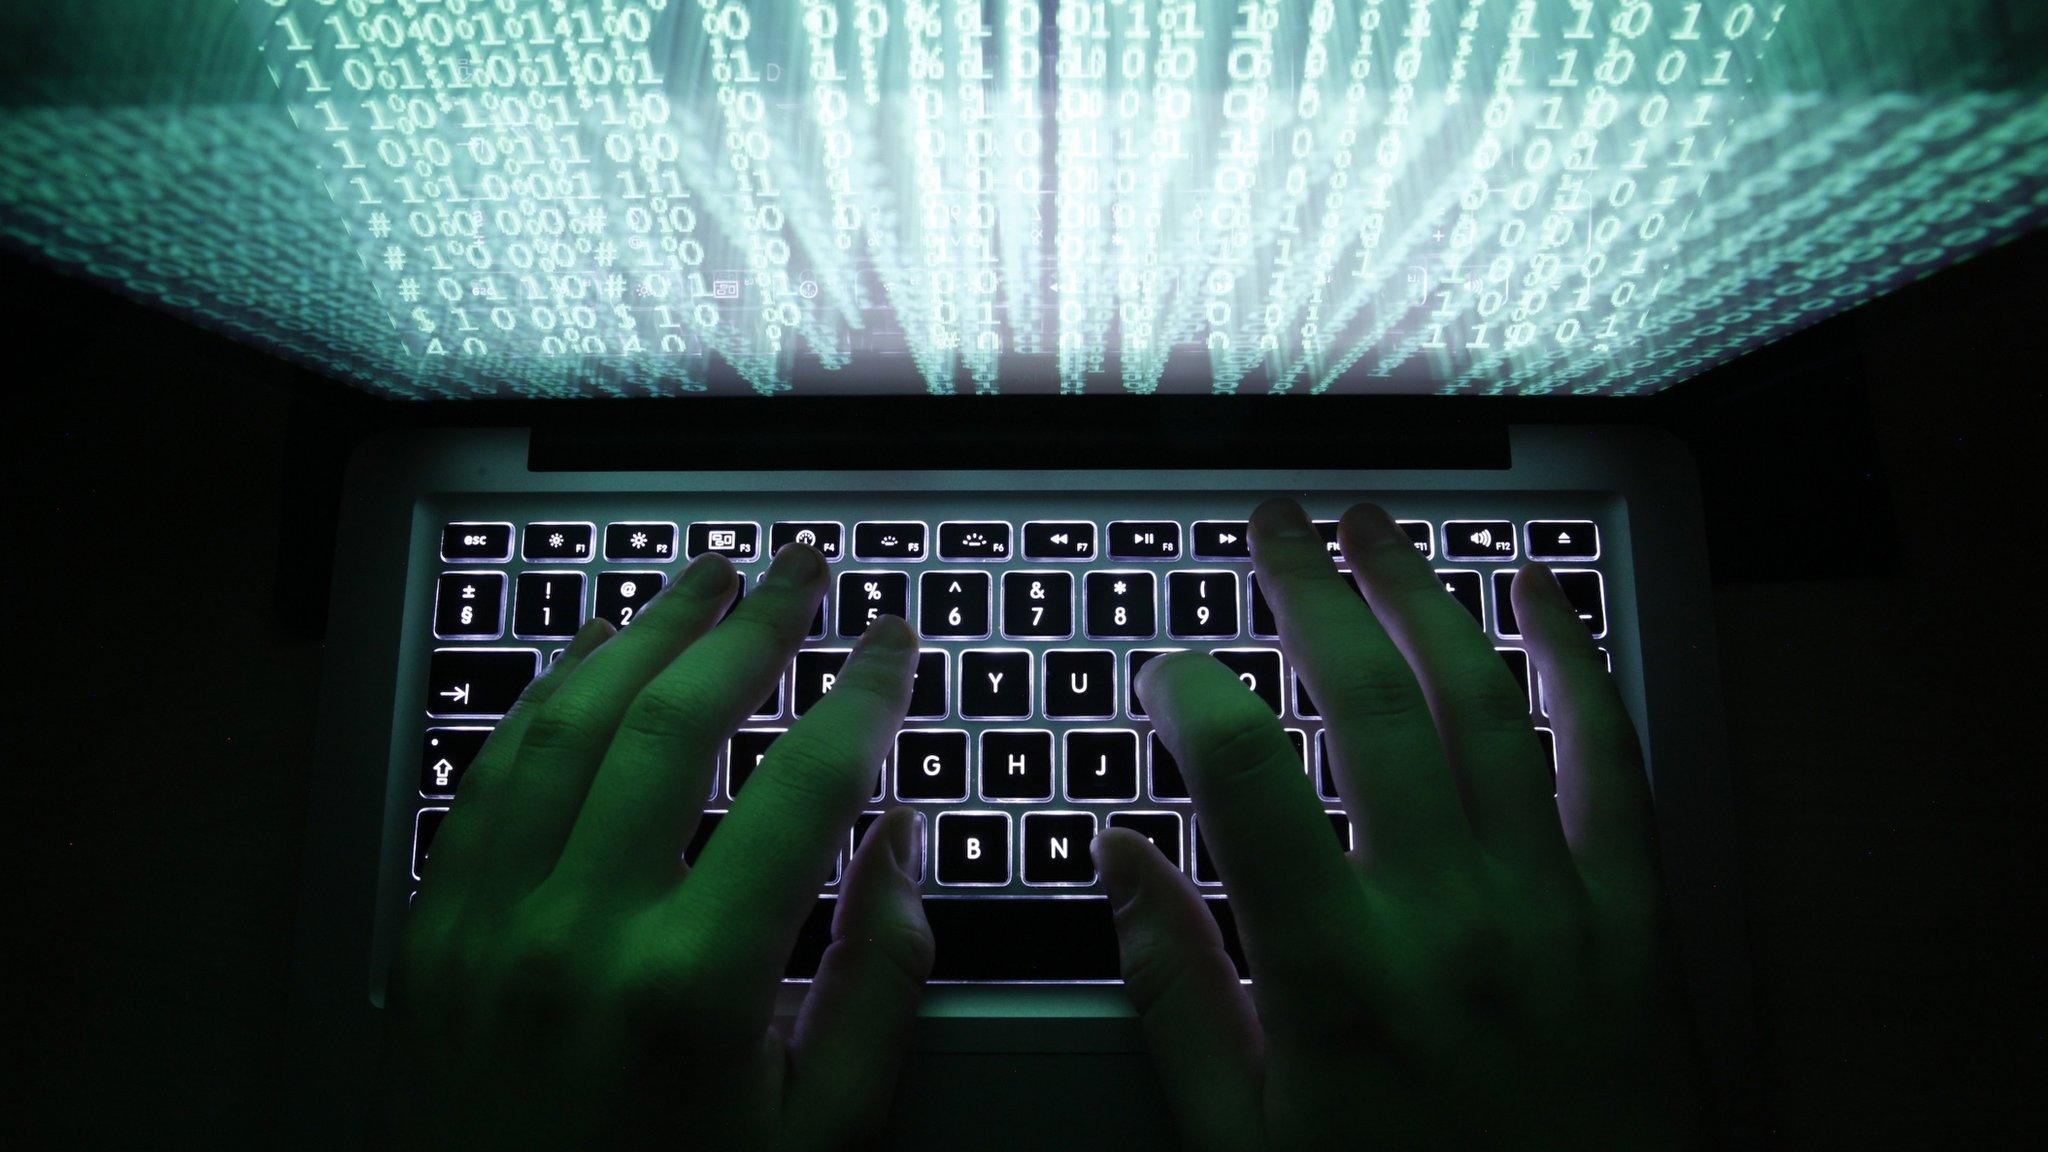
column 1875, row 527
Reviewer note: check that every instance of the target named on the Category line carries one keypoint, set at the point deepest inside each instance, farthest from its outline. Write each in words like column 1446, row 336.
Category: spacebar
column 1014, row 940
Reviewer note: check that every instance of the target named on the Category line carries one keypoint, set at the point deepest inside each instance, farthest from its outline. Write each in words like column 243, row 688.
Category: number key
column 1201, row 605
column 1038, row 605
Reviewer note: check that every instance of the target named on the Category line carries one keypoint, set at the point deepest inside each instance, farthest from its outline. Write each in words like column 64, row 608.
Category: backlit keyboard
column 1023, row 736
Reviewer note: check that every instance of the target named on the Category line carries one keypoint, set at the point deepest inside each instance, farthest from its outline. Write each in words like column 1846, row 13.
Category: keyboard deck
column 1023, row 735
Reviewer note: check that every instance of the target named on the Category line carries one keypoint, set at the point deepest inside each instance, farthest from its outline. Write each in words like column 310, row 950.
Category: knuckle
column 671, row 707
column 808, row 770
column 1240, row 740
column 774, row 616
column 568, row 719
column 1375, row 689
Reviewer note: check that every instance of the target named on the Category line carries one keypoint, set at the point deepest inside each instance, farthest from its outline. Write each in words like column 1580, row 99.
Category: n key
column 1056, row 848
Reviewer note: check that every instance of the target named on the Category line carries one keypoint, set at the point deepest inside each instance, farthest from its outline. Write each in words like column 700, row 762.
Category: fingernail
column 887, row 634
column 906, row 846
column 1116, row 874
column 588, row 637
column 1370, row 524
column 1282, row 516
column 706, row 574
column 795, row 564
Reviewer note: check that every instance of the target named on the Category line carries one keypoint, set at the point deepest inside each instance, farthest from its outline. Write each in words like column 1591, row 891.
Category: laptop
column 1003, row 307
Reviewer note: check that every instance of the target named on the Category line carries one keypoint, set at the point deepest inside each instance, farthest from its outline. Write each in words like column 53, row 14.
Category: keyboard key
column 1222, row 539
column 1102, row 764
column 931, row 764
column 859, row 832
column 737, row 540
column 1304, row 705
column 547, row 605
column 425, row 823
column 478, row 682
column 1588, row 594
column 1542, row 695
column 707, row 823
column 1016, row 764
column 1144, row 540
column 974, row 540
column 1327, row 530
column 1167, row 782
column 469, row 606
column 445, row 754
column 1056, row 849
column 743, row 753
column 1205, row 868
column 1326, row 773
column 1563, row 540
column 469, row 542
column 1059, row 540
column 817, row 669
column 1038, row 605
column 1201, row 605
column 953, row 605
column 770, row 706
column 1548, row 739
column 1341, row 825
column 1259, row 668
column 928, row 685
column 640, row 540
column 1080, row 685
column 824, row 535
column 1420, row 534
column 1121, row 605
column 974, row 849
column 1264, row 626
column 1033, row 940
column 995, row 684
column 889, row 540
column 1161, row 828
column 1299, row 739
column 1135, row 661
column 1464, row 585
column 557, row 540
column 1518, row 663
column 1479, row 540
column 866, row 596
column 621, row 595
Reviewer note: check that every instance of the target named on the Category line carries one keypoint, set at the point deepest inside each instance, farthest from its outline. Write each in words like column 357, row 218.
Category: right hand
column 1491, row 965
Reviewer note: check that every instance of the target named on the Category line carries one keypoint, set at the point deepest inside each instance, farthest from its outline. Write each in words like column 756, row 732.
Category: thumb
column 855, row 1026
column 1198, row 1021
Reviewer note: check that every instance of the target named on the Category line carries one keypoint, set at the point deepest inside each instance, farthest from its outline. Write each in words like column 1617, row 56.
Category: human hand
column 1490, row 966
column 564, row 982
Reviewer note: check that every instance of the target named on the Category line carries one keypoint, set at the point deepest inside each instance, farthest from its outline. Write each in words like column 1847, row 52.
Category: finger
column 1386, row 760
column 1482, row 713
column 1258, row 815
column 535, row 801
column 1603, row 794
column 650, row 788
column 855, row 1026
column 1199, row 1024
column 758, row 877
column 458, row 847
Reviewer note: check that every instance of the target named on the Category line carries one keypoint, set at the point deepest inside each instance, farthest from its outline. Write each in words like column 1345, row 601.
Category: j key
column 743, row 754
column 866, row 596
column 559, row 540
column 1479, row 540
column 464, row 682
column 974, row 540
column 1201, row 605
column 1080, row 685
column 445, row 754
column 621, row 595
column 1464, row 587
column 1167, row 782
column 640, row 540
column 469, row 606
column 995, row 684
column 889, row 540
column 1038, row 605
column 1138, row 659
column 547, row 605
column 1121, row 605
column 1102, row 765
column 736, row 540
column 1016, row 764
column 1563, row 540
column 1161, row 828
column 974, row 849
column 1259, row 668
column 931, row 764
column 817, row 669
column 424, row 824
column 1059, row 540
column 1144, row 540
column 953, row 605
column 1221, row 540
column 1326, row 774
column 1581, row 586
column 1264, row 626
column 1421, row 535
column 1327, row 530
column 1518, row 664
column 824, row 535
column 470, row 543
column 701, row 835
column 1304, row 704
column 1056, row 848
column 928, row 686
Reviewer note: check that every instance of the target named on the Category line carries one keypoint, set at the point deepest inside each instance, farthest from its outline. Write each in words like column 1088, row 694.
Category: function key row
column 577, row 542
